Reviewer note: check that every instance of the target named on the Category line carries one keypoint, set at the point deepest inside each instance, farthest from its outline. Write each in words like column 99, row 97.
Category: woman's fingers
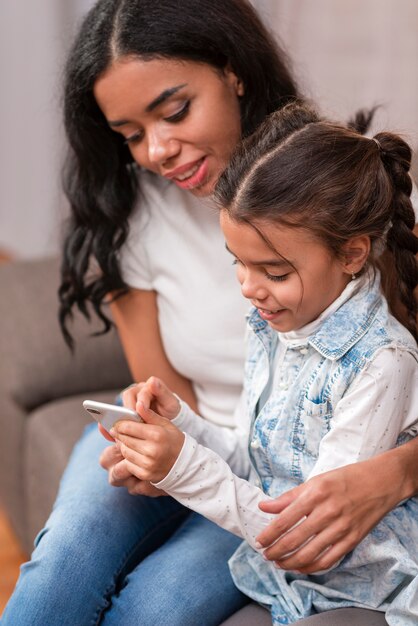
column 119, row 475
column 110, row 456
column 337, row 508
column 291, row 507
column 292, row 553
column 320, row 554
column 319, row 559
column 113, row 461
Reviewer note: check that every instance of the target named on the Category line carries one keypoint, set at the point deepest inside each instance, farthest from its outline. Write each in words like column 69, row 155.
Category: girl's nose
column 252, row 289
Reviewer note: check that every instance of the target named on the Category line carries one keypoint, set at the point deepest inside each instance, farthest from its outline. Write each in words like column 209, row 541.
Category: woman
column 169, row 87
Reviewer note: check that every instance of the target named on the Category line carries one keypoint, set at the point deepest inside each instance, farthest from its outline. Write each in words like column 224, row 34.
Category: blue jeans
column 106, row 557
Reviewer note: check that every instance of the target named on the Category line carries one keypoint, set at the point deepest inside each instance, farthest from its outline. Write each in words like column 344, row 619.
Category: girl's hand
column 341, row 507
column 151, row 449
column 119, row 476
column 152, row 394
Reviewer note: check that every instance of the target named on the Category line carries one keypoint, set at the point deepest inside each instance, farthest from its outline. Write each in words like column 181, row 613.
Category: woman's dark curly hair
column 100, row 179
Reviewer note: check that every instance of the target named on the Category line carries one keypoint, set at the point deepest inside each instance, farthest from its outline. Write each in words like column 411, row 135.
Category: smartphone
column 108, row 414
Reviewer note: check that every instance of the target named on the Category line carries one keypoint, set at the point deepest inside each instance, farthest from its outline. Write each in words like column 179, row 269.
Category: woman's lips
column 193, row 177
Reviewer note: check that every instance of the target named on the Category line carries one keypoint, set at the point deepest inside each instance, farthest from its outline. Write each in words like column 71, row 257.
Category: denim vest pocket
column 311, row 425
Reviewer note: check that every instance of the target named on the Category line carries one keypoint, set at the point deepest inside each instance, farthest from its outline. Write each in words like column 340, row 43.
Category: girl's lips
column 197, row 178
column 269, row 316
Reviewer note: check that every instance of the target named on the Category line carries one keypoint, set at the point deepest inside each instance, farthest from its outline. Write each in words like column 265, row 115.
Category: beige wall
column 347, row 54
column 33, row 38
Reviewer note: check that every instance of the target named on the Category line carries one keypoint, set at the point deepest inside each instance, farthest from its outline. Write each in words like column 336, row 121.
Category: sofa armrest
column 36, row 365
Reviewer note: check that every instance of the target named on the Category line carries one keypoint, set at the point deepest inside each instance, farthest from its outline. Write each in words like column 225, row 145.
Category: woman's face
column 180, row 119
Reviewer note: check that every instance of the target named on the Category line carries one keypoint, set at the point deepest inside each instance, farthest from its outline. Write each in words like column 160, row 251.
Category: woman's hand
column 119, row 476
column 150, row 449
column 338, row 509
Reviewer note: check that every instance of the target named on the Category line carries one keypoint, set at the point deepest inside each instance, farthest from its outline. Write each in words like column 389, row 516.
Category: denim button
column 303, row 350
column 255, row 445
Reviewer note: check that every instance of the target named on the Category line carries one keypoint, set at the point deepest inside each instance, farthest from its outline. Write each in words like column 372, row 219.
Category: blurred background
column 346, row 55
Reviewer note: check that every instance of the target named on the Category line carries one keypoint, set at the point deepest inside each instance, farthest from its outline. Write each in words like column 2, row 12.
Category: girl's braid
column 401, row 241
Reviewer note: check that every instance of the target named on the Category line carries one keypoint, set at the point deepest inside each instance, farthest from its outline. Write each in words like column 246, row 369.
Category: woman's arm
column 342, row 506
column 136, row 317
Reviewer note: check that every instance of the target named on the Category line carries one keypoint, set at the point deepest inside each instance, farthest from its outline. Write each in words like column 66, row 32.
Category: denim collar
column 341, row 330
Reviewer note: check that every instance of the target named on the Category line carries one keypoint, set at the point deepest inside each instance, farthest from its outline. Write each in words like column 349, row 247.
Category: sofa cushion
column 36, row 365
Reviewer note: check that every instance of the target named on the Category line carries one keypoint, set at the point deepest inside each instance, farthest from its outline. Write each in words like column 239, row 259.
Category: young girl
column 308, row 207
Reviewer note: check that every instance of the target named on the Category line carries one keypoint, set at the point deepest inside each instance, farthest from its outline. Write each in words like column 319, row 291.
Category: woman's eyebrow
column 162, row 97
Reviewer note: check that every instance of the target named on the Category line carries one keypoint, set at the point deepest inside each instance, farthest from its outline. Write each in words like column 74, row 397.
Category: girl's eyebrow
column 276, row 262
column 162, row 97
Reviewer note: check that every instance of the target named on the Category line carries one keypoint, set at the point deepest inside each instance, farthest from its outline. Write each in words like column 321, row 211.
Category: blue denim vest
column 286, row 432
column 284, row 441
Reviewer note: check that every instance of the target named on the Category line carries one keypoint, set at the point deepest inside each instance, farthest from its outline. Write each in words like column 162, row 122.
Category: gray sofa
column 42, row 386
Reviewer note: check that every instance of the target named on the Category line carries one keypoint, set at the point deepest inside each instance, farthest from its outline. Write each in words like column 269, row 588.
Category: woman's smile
column 190, row 176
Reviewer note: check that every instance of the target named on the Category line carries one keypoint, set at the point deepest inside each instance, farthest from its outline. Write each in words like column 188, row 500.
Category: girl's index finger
column 144, row 396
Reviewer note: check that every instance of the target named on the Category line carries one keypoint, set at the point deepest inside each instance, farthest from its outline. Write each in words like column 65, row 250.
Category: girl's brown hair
column 302, row 171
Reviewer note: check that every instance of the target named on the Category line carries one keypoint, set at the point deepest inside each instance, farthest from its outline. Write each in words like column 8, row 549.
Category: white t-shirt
column 176, row 248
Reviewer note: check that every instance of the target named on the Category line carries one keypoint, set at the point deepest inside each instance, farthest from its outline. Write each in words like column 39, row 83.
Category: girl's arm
column 159, row 452
column 229, row 443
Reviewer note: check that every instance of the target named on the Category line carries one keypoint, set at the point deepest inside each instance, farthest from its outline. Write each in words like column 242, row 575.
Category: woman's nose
column 161, row 148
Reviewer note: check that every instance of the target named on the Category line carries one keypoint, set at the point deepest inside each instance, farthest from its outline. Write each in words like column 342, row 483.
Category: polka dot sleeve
column 204, row 482
column 380, row 404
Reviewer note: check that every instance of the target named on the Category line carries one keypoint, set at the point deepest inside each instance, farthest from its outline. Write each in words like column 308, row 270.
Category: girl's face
column 180, row 119
column 287, row 299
